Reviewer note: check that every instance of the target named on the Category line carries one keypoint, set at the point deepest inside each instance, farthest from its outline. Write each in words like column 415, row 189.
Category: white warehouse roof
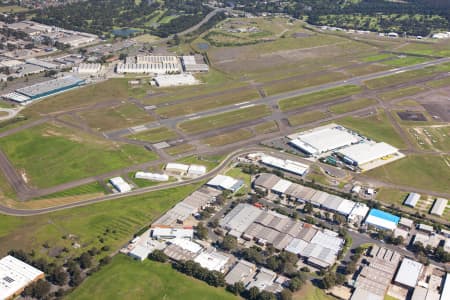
column 225, row 182
column 412, row 199
column 439, row 206
column 409, row 272
column 187, row 245
column 326, row 138
column 366, row 152
column 281, row 186
column 175, row 79
column 16, row 275
column 177, row 167
column 287, row 165
column 446, row 288
column 120, row 185
column 151, row 176
column 213, row 261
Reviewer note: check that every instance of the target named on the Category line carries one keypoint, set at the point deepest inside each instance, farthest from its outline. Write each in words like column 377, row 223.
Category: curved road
column 31, row 212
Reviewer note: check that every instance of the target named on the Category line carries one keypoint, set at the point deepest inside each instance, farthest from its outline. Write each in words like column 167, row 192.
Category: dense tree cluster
column 102, row 16
column 416, row 17
column 191, row 268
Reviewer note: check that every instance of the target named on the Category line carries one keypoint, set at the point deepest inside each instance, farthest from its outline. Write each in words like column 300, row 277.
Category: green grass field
column 179, row 149
column 307, row 117
column 125, row 278
column 318, row 97
column 377, row 57
column 310, row 292
column 405, row 61
column 122, row 116
column 207, row 103
column 51, row 154
column 225, row 119
column 266, row 127
column 351, row 105
column 112, row 89
column 406, row 76
column 210, row 162
column 403, row 92
column 90, row 188
column 420, row 171
column 155, row 135
column 122, row 218
column 391, row 196
column 376, row 127
column 228, row 138
column 439, row 83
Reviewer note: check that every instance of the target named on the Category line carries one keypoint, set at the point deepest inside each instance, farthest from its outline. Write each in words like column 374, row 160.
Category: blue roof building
column 382, row 220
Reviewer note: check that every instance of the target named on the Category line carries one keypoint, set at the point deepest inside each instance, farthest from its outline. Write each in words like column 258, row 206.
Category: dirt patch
column 412, row 116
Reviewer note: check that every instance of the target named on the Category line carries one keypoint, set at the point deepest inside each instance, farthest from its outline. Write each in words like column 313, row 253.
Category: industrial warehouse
column 338, row 144
column 249, row 223
column 44, row 89
column 150, row 64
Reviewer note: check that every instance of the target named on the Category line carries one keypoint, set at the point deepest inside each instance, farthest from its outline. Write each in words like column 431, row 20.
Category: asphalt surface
column 274, row 99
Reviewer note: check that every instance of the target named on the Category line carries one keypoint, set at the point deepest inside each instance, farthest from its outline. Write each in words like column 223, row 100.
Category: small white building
column 226, row 183
column 439, row 206
column 151, row 176
column 88, row 69
column 169, row 233
column 196, row 170
column 213, row 260
column 120, row 184
column 175, row 80
column 409, row 272
column 177, row 168
column 15, row 275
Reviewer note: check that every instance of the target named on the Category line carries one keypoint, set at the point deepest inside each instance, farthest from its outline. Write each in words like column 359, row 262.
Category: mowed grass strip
column 400, row 93
column 307, row 117
column 51, row 154
column 155, row 135
column 125, row 278
column 428, row 172
column 405, row 61
column 295, row 84
column 266, row 127
column 376, row 127
column 439, row 83
column 179, row 149
column 352, row 105
column 406, row 76
column 203, row 104
column 120, row 116
column 90, row 188
column 319, row 97
column 225, row 119
column 228, row 138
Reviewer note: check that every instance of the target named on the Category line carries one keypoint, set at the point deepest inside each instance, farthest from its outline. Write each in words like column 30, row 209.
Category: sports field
column 50, row 154
column 318, row 97
column 420, row 171
column 225, row 119
column 125, row 278
column 376, row 127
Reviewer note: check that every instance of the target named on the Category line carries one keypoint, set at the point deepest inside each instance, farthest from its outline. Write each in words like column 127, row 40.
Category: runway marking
column 237, row 104
column 246, row 106
column 193, row 118
column 191, row 115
